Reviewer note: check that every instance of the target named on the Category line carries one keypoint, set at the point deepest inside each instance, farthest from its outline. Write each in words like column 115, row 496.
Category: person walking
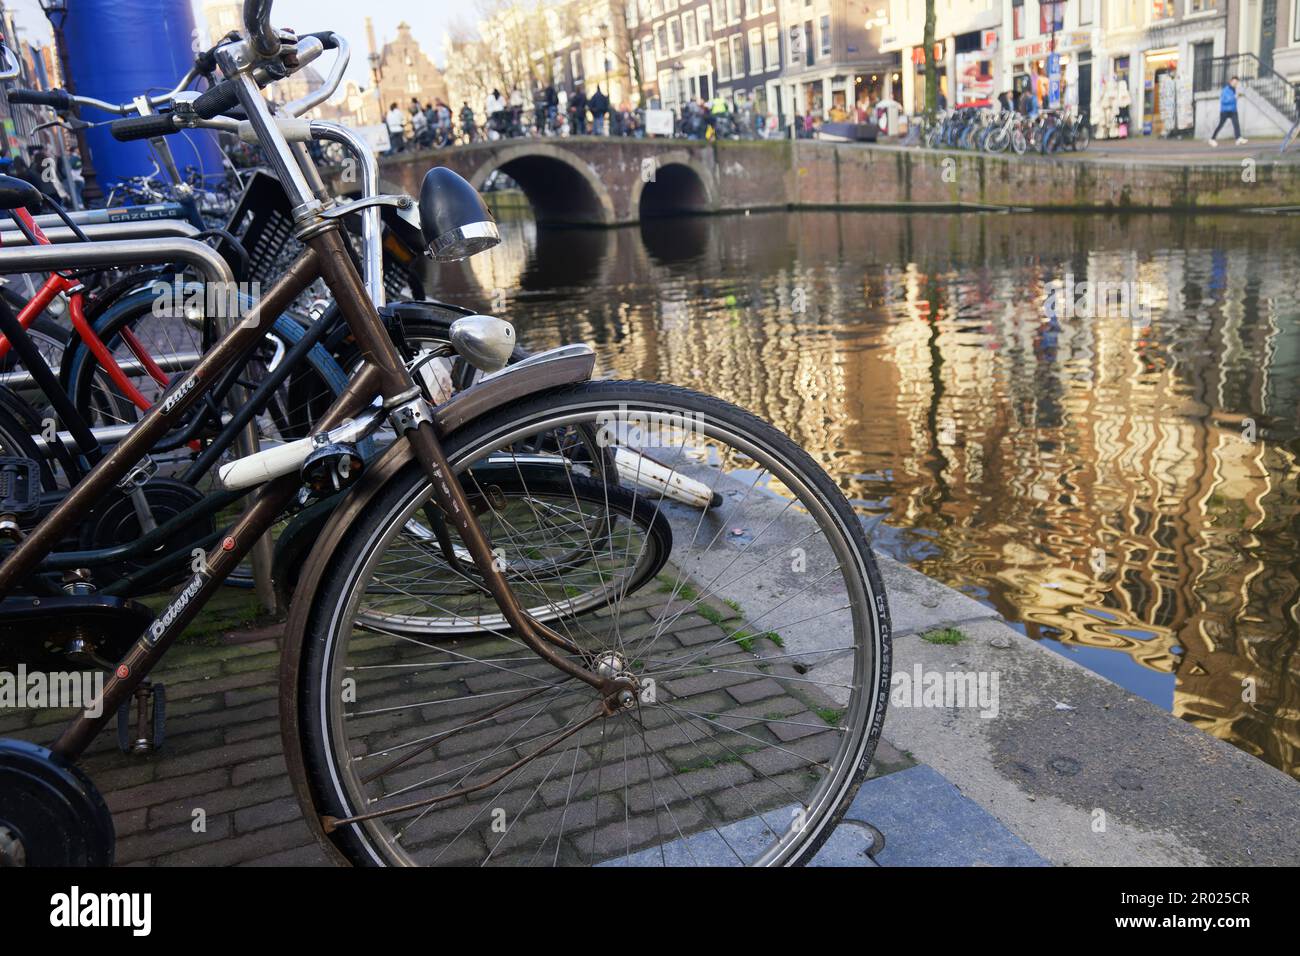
column 599, row 107
column 396, row 123
column 419, row 126
column 552, row 109
column 1228, row 112
column 496, row 115
column 578, row 107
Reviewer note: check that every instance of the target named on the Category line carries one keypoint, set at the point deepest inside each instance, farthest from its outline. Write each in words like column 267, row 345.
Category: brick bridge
column 608, row 182
column 611, row 182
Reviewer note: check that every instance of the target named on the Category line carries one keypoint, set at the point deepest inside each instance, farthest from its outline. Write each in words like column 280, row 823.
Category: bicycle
column 617, row 708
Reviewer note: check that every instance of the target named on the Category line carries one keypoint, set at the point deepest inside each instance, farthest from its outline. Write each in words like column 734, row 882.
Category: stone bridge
column 611, row 182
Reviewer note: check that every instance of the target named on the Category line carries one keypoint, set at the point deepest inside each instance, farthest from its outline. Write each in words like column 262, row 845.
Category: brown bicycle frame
column 382, row 374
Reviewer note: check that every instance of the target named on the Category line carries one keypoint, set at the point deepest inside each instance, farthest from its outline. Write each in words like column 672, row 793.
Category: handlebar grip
column 217, row 100
column 143, row 127
column 55, row 99
column 328, row 38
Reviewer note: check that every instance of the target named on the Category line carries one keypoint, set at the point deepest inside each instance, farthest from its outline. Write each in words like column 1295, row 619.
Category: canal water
column 1089, row 423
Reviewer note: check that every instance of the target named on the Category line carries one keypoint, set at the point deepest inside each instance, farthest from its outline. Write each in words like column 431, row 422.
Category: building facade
column 834, row 61
column 401, row 71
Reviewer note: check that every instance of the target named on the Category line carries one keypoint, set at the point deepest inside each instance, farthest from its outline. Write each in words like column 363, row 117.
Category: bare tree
column 631, row 50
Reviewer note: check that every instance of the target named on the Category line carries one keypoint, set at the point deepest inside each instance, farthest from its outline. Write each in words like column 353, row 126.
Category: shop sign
column 1041, row 47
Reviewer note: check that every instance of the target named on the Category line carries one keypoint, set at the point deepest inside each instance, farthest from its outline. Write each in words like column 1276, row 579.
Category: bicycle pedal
column 20, row 492
column 149, row 703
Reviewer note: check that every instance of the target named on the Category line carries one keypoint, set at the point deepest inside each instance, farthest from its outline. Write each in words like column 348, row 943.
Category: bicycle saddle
column 16, row 192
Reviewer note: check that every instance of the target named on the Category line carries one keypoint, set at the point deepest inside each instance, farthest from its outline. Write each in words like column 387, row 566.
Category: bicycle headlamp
column 453, row 217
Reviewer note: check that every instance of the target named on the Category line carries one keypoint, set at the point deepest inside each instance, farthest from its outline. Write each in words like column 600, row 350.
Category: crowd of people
column 555, row 111
column 421, row 127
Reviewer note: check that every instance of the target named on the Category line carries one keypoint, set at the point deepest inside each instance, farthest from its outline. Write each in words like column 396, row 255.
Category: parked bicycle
column 494, row 620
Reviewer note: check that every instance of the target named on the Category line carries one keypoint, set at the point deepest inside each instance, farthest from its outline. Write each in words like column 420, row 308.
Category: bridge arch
column 562, row 189
column 681, row 185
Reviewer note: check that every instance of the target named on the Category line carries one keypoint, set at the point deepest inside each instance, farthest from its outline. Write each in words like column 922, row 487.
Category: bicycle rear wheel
column 760, row 654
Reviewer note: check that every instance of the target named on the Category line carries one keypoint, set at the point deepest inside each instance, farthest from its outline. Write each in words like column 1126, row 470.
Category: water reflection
column 1115, row 484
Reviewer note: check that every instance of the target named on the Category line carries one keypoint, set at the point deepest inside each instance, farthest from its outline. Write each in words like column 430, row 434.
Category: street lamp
column 375, row 73
column 56, row 11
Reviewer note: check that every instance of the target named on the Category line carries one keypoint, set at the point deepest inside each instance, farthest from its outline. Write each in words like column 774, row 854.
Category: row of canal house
column 1134, row 67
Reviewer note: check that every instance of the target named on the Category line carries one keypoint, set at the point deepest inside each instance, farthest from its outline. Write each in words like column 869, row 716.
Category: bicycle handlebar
column 59, row 100
column 257, row 24
column 143, row 127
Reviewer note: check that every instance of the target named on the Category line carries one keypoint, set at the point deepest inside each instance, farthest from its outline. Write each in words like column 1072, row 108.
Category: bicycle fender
column 568, row 365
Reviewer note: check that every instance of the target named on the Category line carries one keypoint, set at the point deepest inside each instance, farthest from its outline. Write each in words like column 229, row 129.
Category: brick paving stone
column 172, row 839
column 237, row 849
column 755, row 690
column 223, row 753
column 152, row 793
column 310, row 854
column 223, row 800
column 258, row 769
column 262, row 815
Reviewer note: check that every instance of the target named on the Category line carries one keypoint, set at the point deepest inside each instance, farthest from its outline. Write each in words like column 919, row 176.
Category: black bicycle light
column 455, row 220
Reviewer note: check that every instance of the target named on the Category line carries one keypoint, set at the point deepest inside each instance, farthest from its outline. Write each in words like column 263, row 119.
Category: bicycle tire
column 335, row 595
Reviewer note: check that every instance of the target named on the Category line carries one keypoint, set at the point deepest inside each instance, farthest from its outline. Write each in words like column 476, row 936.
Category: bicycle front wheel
column 759, row 651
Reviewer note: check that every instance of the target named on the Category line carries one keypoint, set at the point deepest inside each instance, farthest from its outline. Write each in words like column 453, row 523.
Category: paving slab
column 1083, row 771
column 927, row 821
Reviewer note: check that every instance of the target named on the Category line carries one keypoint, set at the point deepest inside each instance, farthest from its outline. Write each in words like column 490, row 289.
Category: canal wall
column 1080, row 770
column 825, row 175
column 610, row 182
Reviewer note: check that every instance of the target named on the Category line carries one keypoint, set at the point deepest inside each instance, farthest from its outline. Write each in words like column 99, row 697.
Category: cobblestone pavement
column 222, row 766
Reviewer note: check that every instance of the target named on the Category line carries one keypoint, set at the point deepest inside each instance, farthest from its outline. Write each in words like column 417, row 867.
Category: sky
column 429, row 20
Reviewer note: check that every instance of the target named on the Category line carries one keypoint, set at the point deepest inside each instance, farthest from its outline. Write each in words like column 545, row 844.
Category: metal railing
column 1213, row 74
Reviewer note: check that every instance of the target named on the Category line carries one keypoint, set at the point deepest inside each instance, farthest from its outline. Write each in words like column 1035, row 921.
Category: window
column 656, row 8
column 661, row 41
column 737, row 55
column 772, row 37
column 648, row 60
column 1085, row 11
column 769, row 6
column 1018, row 19
column 675, row 35
column 1205, row 6
column 575, row 65
column 724, row 61
column 751, row 8
column 733, row 11
column 1162, row 9
column 705, row 33
column 755, row 51
column 1126, row 12
column 690, row 30
column 809, row 50
column 1051, row 16
column 1202, row 63
column 670, row 6
column 826, row 35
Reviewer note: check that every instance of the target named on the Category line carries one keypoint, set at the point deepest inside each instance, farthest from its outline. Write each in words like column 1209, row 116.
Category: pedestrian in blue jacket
column 1228, row 111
